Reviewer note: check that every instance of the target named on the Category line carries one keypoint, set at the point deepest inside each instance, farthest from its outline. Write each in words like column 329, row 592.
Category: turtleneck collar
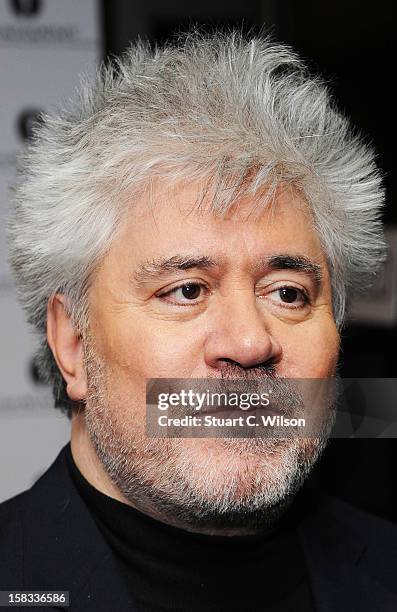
column 168, row 568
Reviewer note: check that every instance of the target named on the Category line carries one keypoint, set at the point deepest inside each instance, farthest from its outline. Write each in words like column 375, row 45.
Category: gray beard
column 160, row 476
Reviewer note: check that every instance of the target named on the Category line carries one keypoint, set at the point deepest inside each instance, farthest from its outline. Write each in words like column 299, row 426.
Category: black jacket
column 49, row 541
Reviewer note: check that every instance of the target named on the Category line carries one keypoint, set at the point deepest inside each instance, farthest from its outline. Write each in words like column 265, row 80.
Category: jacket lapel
column 64, row 549
column 341, row 565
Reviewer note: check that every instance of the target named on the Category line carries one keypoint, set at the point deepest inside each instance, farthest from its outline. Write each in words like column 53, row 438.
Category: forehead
column 174, row 218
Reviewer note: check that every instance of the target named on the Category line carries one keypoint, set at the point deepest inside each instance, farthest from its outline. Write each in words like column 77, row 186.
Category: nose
column 240, row 333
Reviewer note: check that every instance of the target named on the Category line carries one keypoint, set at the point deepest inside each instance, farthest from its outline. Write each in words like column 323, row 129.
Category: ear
column 67, row 347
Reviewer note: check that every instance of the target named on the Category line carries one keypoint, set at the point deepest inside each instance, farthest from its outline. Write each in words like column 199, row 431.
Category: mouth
column 235, row 411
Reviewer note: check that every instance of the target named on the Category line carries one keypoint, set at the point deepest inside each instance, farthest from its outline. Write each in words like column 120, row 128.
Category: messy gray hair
column 242, row 113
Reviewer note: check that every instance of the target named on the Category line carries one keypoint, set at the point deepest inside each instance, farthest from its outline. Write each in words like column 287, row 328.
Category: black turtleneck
column 170, row 569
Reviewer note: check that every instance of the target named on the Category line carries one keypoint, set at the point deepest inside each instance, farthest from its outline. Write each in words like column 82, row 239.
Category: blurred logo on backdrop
column 37, row 22
column 26, row 8
column 27, row 120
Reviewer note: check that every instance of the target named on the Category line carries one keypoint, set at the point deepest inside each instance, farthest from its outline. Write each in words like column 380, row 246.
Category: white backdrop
column 44, row 45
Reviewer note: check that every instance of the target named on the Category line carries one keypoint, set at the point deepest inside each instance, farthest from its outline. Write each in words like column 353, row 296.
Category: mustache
column 285, row 397
column 232, row 377
column 230, row 369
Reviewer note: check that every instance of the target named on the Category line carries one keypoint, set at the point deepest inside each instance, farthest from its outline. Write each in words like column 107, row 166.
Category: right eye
column 186, row 294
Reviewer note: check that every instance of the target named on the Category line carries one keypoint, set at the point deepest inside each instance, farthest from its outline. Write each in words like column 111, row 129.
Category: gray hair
column 242, row 113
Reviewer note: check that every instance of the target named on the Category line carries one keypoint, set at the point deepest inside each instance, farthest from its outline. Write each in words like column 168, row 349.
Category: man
column 202, row 212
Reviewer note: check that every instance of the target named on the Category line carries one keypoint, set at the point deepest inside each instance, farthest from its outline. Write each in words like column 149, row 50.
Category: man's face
column 186, row 294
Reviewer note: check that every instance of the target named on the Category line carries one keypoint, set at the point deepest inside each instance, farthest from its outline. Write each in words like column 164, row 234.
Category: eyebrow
column 300, row 263
column 155, row 269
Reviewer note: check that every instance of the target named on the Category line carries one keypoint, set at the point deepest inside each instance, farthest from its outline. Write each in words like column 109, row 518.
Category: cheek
column 153, row 350
column 311, row 351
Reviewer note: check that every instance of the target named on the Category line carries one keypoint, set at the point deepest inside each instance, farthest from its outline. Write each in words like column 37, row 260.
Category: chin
column 244, row 473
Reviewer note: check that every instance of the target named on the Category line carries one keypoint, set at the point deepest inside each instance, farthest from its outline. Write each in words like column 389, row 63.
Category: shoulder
column 23, row 514
column 378, row 534
column 11, row 541
column 12, row 509
column 348, row 540
column 323, row 509
column 374, row 527
column 50, row 541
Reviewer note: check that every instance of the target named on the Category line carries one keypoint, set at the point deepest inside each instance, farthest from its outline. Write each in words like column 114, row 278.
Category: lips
column 234, row 411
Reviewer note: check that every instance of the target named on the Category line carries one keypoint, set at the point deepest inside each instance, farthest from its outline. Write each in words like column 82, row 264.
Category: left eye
column 187, row 292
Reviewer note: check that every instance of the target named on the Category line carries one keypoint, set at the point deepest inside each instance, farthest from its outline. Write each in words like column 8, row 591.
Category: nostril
column 233, row 368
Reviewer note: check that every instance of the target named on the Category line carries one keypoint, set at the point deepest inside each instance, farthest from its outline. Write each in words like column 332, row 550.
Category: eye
column 289, row 297
column 185, row 293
